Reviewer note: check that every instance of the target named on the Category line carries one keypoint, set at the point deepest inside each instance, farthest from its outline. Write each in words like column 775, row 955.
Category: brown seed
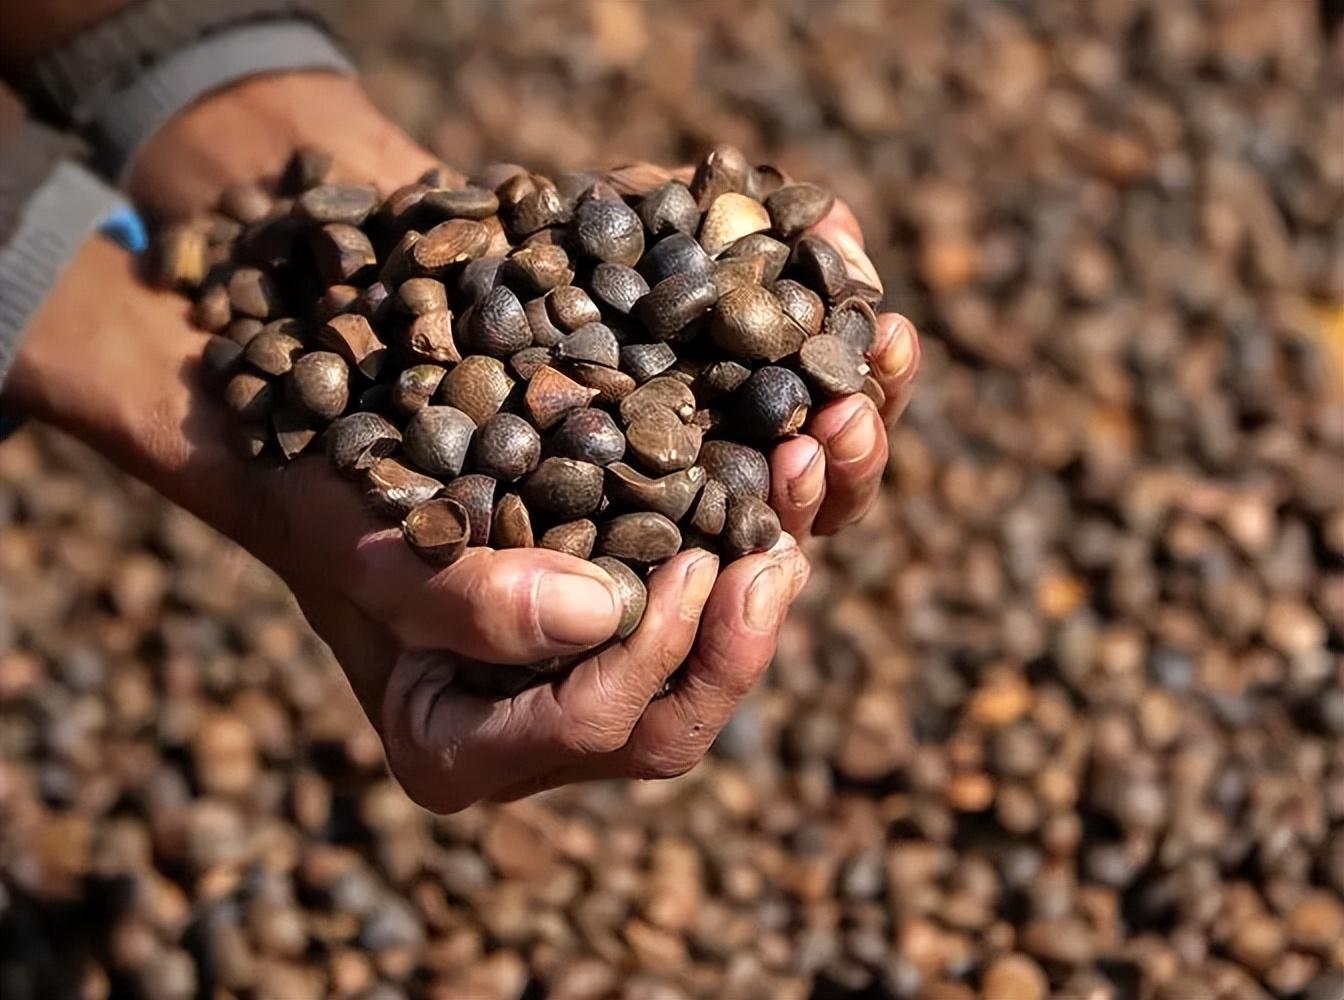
column 833, row 365
column 253, row 293
column 335, row 300
column 854, row 322
column 511, row 525
column 477, row 278
column 346, row 203
column 796, row 207
column 617, row 287
column 662, row 441
column 497, row 325
column 669, row 208
column 535, row 270
column 819, row 266
column 373, row 302
column 675, row 303
column 415, row 387
column 742, row 470
column 307, row 168
column 771, row 404
column 273, row 351
column 610, row 384
column 436, row 439
column 441, row 176
column 676, row 254
column 393, row 490
column 418, row 296
column 319, row 383
column 570, row 307
column 181, row 256
column 564, row 488
column 506, row 447
column 728, row 275
column 356, row 440
column 212, row 312
column 801, row 304
column 449, row 243
column 723, row 169
column 864, row 292
column 634, row 595
column 643, row 361
column 530, row 360
column 662, row 393
column 250, row 398
column 294, row 430
column 607, row 229
column 730, row 217
column 771, row 254
column 748, row 322
column 594, row 343
column 343, row 254
column 477, row 496
column 438, row 531
column 220, row 359
column 551, row 394
column 750, row 525
column 351, row 336
column 430, row 335
column 543, row 329
column 636, row 178
column 247, row 203
column 642, row 537
column 477, row 387
column 469, row 202
column 399, row 265
column 670, row 495
column 574, row 538
column 712, row 508
column 404, row 210
column 720, row 379
column 765, row 180
column 589, row 435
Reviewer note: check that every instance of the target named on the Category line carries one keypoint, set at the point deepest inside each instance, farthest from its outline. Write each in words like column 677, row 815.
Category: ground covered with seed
column 1064, row 717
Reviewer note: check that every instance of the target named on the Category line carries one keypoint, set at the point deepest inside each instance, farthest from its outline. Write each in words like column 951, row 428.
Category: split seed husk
column 438, row 531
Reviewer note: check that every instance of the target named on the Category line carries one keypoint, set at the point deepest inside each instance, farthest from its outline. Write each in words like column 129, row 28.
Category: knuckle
column 587, row 735
column 668, row 763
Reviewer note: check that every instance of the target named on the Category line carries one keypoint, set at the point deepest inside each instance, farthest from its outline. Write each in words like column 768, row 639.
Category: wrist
column 249, row 129
column 115, row 364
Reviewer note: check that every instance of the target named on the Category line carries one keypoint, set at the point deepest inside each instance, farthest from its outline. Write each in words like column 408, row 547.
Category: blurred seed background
column 1064, row 717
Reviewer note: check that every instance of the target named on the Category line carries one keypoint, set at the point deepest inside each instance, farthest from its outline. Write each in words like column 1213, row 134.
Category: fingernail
column 855, row 257
column 764, row 597
column 855, row 440
column 805, row 490
column 699, row 582
column 899, row 354
column 576, row 610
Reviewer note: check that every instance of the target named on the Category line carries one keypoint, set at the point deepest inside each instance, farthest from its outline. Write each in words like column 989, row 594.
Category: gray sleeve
column 56, row 218
column 130, row 116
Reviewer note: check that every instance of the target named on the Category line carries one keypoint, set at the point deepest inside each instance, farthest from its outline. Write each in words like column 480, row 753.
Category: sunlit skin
column 396, row 625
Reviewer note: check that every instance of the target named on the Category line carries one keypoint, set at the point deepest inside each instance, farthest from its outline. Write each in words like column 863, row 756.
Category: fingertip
column 797, row 481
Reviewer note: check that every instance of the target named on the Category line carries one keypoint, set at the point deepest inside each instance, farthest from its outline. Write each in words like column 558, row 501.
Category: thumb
column 500, row 606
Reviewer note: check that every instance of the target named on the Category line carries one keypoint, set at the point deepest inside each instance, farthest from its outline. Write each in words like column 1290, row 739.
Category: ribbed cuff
column 130, row 116
column 69, row 205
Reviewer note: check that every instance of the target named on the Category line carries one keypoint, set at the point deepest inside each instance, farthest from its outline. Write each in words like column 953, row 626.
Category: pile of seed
column 591, row 365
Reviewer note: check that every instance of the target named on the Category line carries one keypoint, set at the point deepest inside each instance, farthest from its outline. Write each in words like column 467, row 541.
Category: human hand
column 117, row 364
column 399, row 628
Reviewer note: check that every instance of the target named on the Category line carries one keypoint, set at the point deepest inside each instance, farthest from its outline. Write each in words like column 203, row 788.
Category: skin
column 117, row 365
